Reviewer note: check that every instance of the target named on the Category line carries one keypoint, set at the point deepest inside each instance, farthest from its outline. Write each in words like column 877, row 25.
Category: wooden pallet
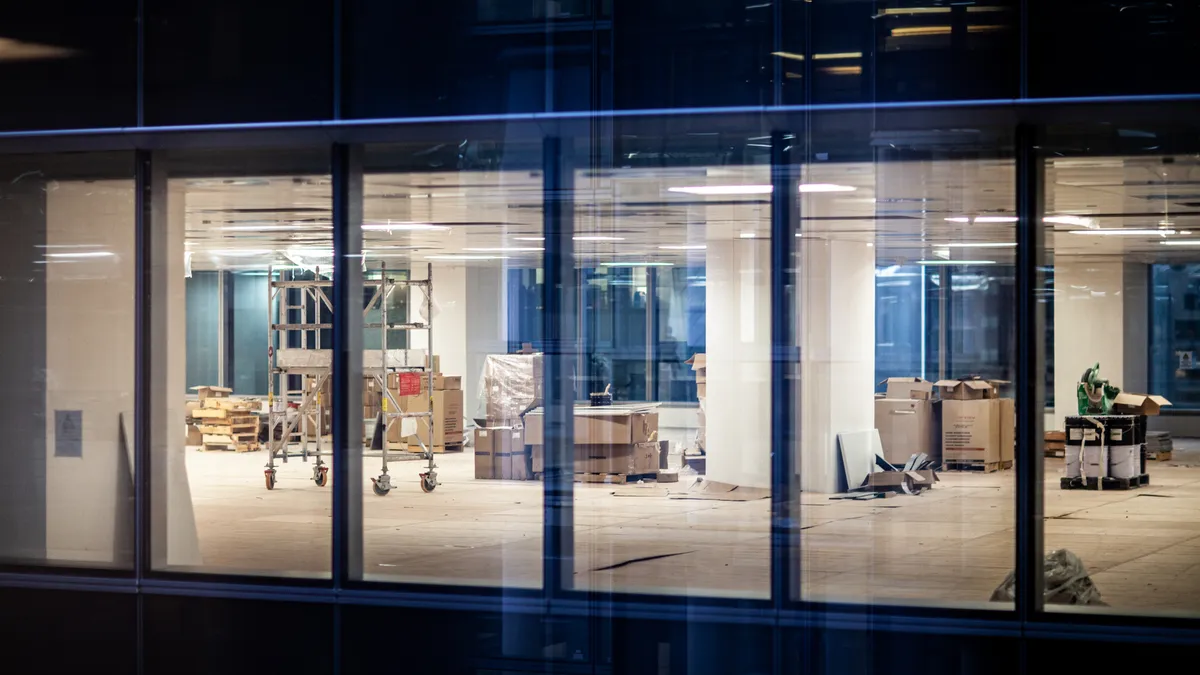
column 1160, row 456
column 975, row 465
column 1110, row 483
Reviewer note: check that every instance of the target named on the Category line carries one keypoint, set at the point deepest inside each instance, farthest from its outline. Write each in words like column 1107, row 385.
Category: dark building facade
column 613, row 183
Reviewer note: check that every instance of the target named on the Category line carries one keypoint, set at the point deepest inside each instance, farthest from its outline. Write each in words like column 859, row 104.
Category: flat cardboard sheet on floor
column 722, row 492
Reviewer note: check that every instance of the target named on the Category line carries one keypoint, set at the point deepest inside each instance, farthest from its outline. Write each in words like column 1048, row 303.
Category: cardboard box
column 615, row 427
column 699, row 364
column 491, row 445
column 442, row 382
column 447, row 418
column 968, row 390
column 914, row 480
column 631, row 459
column 908, row 426
column 907, row 387
column 206, row 392
column 1008, row 429
column 971, row 430
column 1138, row 404
column 194, row 435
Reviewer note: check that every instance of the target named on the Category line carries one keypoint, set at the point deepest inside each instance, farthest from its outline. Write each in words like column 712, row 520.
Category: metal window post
column 785, row 575
column 558, row 332
column 346, row 405
column 1030, row 377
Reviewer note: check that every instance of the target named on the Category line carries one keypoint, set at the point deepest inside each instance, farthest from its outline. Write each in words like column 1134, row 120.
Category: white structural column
column 90, row 304
column 836, row 314
column 738, row 344
column 1099, row 317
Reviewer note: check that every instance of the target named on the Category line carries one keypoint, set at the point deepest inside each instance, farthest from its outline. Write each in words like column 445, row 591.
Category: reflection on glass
column 243, row 260
column 906, row 281
column 68, row 295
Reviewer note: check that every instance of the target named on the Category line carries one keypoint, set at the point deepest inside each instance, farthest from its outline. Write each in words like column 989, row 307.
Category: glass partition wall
column 661, row 402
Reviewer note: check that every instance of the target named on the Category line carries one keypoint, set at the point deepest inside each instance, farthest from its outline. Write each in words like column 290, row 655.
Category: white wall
column 89, row 365
column 486, row 328
column 1088, row 326
column 837, row 370
column 738, row 344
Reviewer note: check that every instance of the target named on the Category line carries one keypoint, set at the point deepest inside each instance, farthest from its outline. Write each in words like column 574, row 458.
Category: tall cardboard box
column 971, row 430
column 1008, row 429
column 907, row 427
column 500, row 453
column 447, row 418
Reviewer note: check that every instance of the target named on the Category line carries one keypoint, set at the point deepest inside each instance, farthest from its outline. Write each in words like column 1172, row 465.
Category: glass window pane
column 69, row 271
column 70, row 63
column 244, row 245
column 672, row 498
column 453, row 260
column 906, row 252
column 1121, row 225
column 225, row 61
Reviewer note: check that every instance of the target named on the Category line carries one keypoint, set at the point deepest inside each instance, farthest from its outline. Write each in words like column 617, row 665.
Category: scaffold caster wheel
column 269, row 474
column 382, row 485
column 428, row 483
column 321, row 476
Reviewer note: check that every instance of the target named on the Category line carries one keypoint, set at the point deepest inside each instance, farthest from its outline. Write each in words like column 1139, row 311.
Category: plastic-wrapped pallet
column 510, row 386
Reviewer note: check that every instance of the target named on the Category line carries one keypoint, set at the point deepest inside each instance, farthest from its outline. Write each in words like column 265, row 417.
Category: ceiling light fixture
column 1078, row 221
column 958, row 219
column 505, row 249
column 406, row 227
column 82, row 254
column 996, row 219
column 466, row 257
column 529, row 239
column 723, row 190
column 684, row 247
column 955, row 262
column 1181, row 242
column 597, row 237
column 274, row 228
column 1126, row 232
column 826, row 187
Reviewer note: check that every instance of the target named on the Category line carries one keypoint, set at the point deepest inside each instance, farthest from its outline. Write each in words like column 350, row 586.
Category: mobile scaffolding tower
column 313, row 364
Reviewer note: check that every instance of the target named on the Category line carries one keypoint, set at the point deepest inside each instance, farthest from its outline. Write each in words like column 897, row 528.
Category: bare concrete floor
column 952, row 545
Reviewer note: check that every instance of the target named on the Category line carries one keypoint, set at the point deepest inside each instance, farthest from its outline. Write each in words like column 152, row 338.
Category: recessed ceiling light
column 723, row 190
column 826, row 187
column 82, row 254
column 1125, row 232
column 956, row 262
column 597, row 237
column 684, row 247
column 401, row 227
column 996, row 219
column 466, row 257
column 1181, row 242
column 529, row 239
column 1079, row 221
column 981, row 244
column 958, row 219
column 747, row 235
column 505, row 249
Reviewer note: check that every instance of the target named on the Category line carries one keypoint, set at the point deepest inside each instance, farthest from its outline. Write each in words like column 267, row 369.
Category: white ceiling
column 902, row 207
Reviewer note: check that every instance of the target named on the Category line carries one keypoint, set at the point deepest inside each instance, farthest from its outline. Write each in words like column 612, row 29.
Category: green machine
column 1095, row 394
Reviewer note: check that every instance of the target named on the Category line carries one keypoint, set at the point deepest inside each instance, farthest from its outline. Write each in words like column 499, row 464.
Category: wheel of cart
column 321, row 475
column 382, row 485
column 429, row 482
column 269, row 475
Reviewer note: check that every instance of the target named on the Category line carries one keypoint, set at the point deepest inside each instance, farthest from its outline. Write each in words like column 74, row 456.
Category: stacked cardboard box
column 611, row 443
column 978, row 427
column 1054, row 443
column 447, row 419
column 1159, row 445
column 500, row 454
column 223, row 422
column 699, row 364
column 908, row 420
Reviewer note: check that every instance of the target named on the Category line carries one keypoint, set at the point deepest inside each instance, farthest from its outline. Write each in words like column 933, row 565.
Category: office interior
column 906, row 268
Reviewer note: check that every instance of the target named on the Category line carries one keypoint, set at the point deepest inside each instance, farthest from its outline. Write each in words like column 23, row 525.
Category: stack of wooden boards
column 1054, row 444
column 217, row 421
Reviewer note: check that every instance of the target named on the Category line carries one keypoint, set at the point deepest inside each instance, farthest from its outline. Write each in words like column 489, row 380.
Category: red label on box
column 410, row 384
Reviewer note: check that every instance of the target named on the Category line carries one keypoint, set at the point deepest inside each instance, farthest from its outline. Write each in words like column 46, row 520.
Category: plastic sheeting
column 1067, row 582
column 510, row 386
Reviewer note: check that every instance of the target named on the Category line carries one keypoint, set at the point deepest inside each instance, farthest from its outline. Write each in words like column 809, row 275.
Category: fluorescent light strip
column 409, row 227
column 82, row 254
column 529, row 239
column 466, row 257
column 274, row 228
column 1181, row 242
column 996, row 219
column 1125, row 232
column 837, row 55
column 505, row 249
column 955, row 262
column 597, row 237
column 757, row 189
column 684, row 247
column 1071, row 220
column 981, row 244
